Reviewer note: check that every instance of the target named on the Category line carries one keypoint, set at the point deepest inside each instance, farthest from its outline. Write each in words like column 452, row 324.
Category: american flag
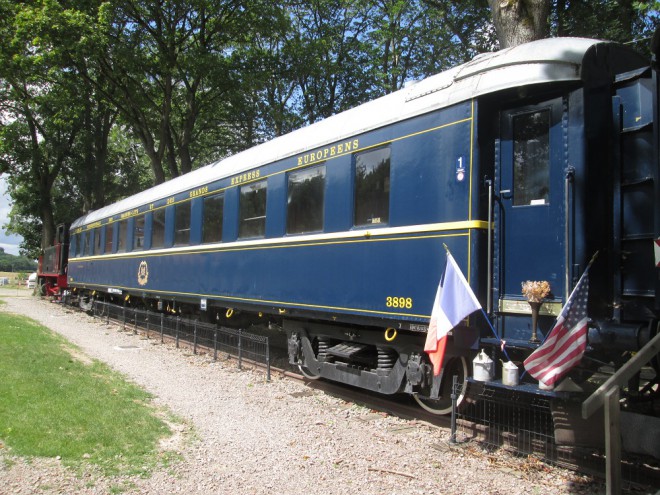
column 564, row 346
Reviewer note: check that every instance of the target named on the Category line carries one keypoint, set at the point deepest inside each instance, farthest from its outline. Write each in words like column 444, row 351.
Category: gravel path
column 241, row 434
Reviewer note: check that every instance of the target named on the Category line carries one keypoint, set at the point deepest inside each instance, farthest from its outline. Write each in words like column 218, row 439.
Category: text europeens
column 329, row 152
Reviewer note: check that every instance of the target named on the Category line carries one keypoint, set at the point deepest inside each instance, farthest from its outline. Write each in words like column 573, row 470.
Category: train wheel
column 307, row 373
column 441, row 406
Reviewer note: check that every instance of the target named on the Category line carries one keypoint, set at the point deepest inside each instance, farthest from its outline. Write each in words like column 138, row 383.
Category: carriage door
column 530, row 221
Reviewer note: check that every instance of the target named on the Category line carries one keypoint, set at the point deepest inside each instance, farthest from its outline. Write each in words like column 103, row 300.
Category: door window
column 531, row 158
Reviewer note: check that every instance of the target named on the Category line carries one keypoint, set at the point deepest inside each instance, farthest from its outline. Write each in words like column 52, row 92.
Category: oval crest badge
column 143, row 273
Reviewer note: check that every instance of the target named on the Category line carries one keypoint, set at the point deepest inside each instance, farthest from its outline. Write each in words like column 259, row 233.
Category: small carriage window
column 531, row 155
column 212, row 223
column 108, row 238
column 97, row 241
column 372, row 187
column 138, row 233
column 304, row 212
column 182, row 224
column 252, row 210
column 158, row 229
column 121, row 238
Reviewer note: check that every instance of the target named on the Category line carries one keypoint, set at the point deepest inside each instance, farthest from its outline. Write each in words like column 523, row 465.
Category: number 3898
column 399, row 302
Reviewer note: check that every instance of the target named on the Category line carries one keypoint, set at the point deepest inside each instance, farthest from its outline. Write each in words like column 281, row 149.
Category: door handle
column 506, row 194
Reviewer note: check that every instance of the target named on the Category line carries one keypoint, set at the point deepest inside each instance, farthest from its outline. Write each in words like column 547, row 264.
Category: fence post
column 454, row 397
column 148, row 323
column 107, row 313
column 215, row 343
column 135, row 317
column 123, row 317
column 161, row 328
column 240, row 348
column 267, row 360
column 195, row 337
column 178, row 321
column 612, row 441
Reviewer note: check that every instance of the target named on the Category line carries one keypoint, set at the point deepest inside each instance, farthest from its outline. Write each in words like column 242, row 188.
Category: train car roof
column 543, row 61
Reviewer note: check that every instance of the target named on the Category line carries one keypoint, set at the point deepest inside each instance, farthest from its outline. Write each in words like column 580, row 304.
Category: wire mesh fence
column 518, row 422
column 193, row 333
column 533, row 425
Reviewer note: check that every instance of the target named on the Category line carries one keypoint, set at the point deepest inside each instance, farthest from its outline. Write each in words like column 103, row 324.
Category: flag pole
column 502, row 342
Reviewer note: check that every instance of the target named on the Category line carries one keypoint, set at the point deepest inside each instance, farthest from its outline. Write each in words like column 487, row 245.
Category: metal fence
column 193, row 333
column 526, row 425
column 516, row 421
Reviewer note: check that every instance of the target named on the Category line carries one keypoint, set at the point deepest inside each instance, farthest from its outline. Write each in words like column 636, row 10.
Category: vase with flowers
column 535, row 292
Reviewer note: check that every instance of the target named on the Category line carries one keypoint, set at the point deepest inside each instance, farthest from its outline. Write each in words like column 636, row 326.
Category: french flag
column 454, row 301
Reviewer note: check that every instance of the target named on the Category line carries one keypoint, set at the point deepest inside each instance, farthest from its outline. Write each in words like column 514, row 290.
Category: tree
column 40, row 119
column 169, row 64
column 520, row 21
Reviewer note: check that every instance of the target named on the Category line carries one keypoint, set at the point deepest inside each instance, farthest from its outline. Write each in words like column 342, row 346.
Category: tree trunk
column 520, row 21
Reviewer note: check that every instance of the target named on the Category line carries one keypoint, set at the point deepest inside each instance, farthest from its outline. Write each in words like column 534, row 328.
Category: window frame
column 320, row 203
column 205, row 220
column 387, row 188
column 136, row 224
column 158, row 227
column 122, row 236
column 185, row 231
column 261, row 226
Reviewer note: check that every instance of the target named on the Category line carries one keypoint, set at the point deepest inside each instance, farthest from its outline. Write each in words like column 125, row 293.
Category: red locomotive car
column 52, row 269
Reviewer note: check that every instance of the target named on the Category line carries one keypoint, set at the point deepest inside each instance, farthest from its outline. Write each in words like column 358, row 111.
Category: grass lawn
column 53, row 403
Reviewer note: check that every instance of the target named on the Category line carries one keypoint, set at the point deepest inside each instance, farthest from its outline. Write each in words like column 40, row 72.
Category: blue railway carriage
column 523, row 162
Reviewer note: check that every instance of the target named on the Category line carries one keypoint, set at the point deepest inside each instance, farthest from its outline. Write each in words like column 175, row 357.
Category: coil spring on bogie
column 323, row 346
column 386, row 358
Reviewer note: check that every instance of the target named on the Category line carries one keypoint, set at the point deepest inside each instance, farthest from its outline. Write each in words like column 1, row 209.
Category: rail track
column 640, row 473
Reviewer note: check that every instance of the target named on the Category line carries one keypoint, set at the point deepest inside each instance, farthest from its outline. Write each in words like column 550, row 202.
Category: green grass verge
column 55, row 404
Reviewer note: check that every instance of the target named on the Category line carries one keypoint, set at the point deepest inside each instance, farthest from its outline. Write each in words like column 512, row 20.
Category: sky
column 8, row 242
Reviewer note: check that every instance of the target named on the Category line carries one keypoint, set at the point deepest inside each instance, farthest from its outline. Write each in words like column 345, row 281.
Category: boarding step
column 346, row 350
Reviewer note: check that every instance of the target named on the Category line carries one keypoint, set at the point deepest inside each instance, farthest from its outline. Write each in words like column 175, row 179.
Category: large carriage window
column 182, row 224
column 158, row 229
column 121, row 238
column 531, row 156
column 304, row 210
column 138, row 233
column 73, row 246
column 372, row 187
column 97, row 241
column 212, row 223
column 108, row 238
column 87, row 240
column 252, row 210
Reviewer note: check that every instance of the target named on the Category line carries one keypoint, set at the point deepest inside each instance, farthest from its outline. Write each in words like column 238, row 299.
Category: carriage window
column 158, row 229
column 108, row 238
column 531, row 155
column 304, row 211
column 138, row 233
column 97, row 241
column 73, row 246
column 87, row 239
column 212, row 223
column 372, row 187
column 121, row 238
column 182, row 224
column 252, row 210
